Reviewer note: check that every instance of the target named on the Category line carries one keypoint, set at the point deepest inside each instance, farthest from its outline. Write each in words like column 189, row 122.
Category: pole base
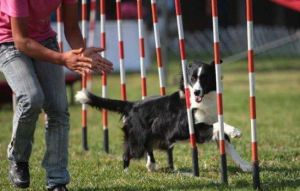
column 255, row 176
column 84, row 139
column 105, row 140
column 224, row 177
column 195, row 161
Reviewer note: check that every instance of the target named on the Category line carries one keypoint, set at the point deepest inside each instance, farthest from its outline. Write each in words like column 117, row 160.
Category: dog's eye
column 193, row 79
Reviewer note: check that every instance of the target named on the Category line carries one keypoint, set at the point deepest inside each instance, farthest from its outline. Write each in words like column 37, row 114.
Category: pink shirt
column 38, row 13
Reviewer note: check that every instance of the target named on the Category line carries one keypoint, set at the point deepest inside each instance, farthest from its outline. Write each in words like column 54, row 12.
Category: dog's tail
column 86, row 97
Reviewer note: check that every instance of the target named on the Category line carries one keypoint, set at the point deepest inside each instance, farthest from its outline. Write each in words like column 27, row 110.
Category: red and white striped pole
column 84, row 77
column 59, row 24
column 104, row 76
column 142, row 48
column 91, row 38
column 214, row 5
column 160, row 66
column 121, row 50
column 186, row 89
column 251, row 71
column 92, row 23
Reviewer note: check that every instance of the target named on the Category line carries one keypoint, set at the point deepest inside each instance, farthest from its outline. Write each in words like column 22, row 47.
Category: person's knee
column 57, row 112
column 31, row 102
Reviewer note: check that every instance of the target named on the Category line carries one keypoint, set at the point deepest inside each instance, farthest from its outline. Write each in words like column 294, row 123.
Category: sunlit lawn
column 278, row 121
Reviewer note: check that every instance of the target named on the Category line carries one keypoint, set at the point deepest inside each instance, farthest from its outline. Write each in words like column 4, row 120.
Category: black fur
column 158, row 122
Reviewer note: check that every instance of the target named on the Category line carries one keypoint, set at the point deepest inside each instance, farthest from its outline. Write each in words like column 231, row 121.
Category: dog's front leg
column 230, row 150
column 170, row 157
column 151, row 166
column 228, row 129
column 245, row 166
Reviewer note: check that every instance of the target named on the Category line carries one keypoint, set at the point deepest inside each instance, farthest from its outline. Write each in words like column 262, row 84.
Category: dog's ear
column 188, row 67
column 213, row 62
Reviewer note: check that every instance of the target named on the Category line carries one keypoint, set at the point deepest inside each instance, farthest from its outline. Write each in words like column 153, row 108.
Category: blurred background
column 276, row 34
column 275, row 28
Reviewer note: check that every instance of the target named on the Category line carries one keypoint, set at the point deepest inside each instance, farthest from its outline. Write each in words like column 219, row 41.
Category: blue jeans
column 38, row 85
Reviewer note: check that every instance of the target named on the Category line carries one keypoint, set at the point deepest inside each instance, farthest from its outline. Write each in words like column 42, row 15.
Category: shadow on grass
column 168, row 170
column 196, row 186
column 269, row 181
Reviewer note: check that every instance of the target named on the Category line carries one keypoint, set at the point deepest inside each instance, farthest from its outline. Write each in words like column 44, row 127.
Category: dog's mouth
column 198, row 99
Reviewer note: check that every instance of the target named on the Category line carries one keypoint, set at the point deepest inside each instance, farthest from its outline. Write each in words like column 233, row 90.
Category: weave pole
column 142, row 48
column 92, row 23
column 59, row 24
column 214, row 5
column 104, row 76
column 121, row 50
column 252, row 102
column 160, row 66
column 186, row 89
column 84, row 77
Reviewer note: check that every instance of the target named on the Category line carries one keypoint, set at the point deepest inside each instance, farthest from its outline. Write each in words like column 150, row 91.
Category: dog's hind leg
column 126, row 159
column 151, row 165
column 170, row 158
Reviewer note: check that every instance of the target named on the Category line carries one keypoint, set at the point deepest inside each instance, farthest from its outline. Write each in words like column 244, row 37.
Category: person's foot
column 58, row 188
column 19, row 174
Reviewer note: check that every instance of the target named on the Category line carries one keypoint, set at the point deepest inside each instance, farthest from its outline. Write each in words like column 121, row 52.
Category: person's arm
column 74, row 37
column 71, row 28
column 34, row 49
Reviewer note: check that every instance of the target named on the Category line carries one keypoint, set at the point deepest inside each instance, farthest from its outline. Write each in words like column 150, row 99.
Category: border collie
column 159, row 122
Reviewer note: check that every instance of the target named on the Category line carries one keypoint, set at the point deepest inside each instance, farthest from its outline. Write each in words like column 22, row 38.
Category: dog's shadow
column 168, row 186
column 266, row 183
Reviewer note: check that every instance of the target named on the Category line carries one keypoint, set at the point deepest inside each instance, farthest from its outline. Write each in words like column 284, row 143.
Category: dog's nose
column 197, row 92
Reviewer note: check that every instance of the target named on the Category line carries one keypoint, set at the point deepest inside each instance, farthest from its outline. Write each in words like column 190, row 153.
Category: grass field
column 278, row 121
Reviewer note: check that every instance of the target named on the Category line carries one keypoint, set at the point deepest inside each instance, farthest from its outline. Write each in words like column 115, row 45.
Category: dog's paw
column 151, row 166
column 126, row 170
column 235, row 133
column 246, row 167
column 232, row 131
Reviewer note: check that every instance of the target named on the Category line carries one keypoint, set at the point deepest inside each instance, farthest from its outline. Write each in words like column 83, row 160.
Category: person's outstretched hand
column 73, row 60
column 99, row 63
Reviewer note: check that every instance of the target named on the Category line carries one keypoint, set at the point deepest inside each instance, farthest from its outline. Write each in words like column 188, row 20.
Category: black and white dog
column 158, row 122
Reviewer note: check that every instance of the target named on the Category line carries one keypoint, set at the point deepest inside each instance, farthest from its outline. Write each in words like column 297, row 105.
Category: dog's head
column 201, row 80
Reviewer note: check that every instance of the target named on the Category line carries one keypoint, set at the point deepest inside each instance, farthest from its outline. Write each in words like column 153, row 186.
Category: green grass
column 278, row 121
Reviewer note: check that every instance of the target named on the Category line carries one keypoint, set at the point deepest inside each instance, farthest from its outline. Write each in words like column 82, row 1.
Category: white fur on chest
column 206, row 110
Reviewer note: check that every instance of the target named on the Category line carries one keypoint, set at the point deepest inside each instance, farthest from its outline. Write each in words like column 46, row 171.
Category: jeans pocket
column 7, row 53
